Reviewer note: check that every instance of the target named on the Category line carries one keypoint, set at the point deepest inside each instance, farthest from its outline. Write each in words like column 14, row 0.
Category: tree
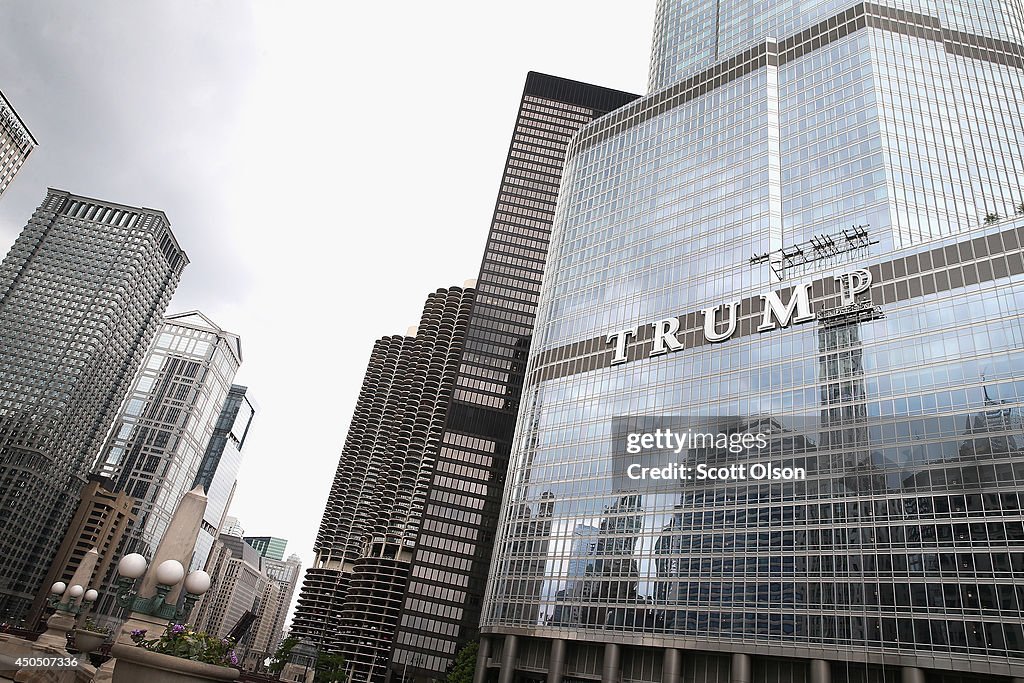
column 1020, row 208
column 330, row 668
column 284, row 651
column 464, row 666
column 991, row 218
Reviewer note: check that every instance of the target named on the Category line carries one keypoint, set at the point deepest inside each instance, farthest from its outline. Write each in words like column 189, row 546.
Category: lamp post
column 69, row 602
column 169, row 574
column 66, row 599
column 150, row 590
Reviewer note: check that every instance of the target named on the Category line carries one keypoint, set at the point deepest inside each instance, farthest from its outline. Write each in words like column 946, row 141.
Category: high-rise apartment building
column 101, row 520
column 441, row 608
column 82, row 293
column 351, row 597
column 810, row 225
column 219, row 469
column 16, row 143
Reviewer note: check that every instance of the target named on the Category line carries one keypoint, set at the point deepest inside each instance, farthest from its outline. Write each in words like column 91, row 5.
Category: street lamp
column 66, row 599
column 168, row 574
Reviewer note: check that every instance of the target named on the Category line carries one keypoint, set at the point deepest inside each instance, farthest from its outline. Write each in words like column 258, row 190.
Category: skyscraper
column 351, row 597
column 268, row 546
column 156, row 446
column 219, row 468
column 441, row 607
column 236, row 592
column 101, row 520
column 810, row 225
column 16, row 143
column 82, row 293
column 267, row 631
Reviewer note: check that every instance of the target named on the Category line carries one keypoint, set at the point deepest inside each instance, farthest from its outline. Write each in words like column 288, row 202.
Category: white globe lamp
column 169, row 573
column 132, row 566
column 197, row 583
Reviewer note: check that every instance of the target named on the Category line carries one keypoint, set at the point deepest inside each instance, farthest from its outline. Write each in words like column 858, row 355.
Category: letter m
column 799, row 303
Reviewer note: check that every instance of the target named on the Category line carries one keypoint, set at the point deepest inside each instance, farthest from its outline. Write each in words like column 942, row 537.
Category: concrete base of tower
column 521, row 658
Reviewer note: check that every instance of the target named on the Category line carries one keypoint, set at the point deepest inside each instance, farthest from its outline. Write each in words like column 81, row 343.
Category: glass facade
column 268, row 546
column 782, row 150
column 219, row 468
column 156, row 446
column 82, row 292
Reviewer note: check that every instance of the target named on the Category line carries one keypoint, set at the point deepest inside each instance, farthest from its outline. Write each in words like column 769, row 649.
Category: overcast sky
column 325, row 165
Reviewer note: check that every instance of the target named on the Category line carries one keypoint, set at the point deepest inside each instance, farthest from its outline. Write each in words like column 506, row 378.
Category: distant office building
column 268, row 629
column 236, row 592
column 441, row 607
column 268, row 546
column 219, row 468
column 351, row 597
column 232, row 527
column 82, row 294
column 102, row 518
column 250, row 589
column 16, row 143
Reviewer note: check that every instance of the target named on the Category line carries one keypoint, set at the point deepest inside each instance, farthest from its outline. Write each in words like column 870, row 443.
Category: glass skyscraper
column 82, row 293
column 218, row 471
column 157, row 444
column 813, row 223
column 268, row 546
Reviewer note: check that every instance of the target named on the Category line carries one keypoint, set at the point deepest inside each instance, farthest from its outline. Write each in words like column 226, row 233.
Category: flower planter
column 135, row 665
column 88, row 641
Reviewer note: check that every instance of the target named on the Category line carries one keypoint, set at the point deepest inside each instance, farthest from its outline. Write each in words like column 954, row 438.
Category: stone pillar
column 742, row 671
column 911, row 674
column 672, row 666
column 612, row 668
column 821, row 671
column 178, row 542
column 483, row 653
column 556, row 661
column 508, row 660
column 57, row 627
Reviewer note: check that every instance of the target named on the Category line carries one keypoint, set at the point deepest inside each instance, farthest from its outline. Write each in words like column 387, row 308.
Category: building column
column 508, row 659
column 821, row 671
column 612, row 668
column 483, row 653
column 556, row 661
column 672, row 666
column 741, row 669
column 911, row 674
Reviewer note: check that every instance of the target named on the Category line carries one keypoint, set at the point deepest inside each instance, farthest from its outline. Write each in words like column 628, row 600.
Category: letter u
column 711, row 323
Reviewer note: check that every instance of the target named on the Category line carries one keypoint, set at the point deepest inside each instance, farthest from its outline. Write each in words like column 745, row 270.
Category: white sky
column 325, row 165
